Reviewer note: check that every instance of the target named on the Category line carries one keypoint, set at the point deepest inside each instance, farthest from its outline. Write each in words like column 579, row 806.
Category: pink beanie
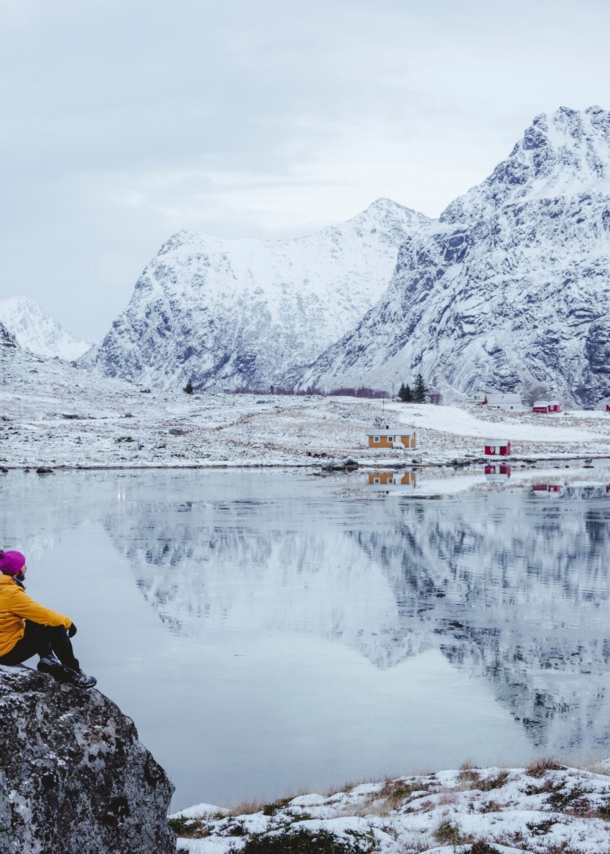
column 11, row 563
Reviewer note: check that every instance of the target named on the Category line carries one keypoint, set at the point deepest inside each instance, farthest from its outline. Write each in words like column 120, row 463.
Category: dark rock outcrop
column 6, row 339
column 74, row 777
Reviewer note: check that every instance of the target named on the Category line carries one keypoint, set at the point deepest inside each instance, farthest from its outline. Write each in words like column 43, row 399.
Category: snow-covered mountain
column 38, row 332
column 510, row 288
column 230, row 313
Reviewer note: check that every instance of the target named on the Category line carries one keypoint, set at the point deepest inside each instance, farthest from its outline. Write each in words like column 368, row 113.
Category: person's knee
column 57, row 630
column 53, row 634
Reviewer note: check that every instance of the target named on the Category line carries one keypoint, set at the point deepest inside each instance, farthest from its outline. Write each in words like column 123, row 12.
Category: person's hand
column 71, row 630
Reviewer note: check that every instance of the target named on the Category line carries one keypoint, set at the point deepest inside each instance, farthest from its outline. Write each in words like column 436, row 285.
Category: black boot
column 52, row 665
column 80, row 679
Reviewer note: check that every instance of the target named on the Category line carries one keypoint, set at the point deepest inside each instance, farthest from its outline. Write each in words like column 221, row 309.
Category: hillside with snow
column 547, row 808
column 231, row 313
column 510, row 288
column 38, row 332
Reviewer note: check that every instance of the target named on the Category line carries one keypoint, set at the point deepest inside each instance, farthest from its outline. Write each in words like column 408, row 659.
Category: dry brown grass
column 448, row 833
column 246, row 808
column 396, row 792
column 493, row 782
column 539, row 767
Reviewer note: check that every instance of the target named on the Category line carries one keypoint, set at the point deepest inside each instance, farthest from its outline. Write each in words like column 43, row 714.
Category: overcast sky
column 124, row 121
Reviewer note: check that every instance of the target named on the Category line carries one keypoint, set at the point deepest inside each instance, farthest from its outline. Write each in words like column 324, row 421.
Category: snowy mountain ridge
column 36, row 331
column 510, row 288
column 230, row 313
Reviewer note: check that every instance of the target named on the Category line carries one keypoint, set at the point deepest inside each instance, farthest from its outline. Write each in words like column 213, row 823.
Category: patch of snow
column 199, row 811
column 545, row 807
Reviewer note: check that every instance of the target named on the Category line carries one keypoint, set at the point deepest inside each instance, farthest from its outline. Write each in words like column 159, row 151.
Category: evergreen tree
column 188, row 388
column 405, row 393
column 419, row 395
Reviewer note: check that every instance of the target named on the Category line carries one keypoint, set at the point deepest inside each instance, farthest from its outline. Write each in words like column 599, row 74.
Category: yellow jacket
column 15, row 608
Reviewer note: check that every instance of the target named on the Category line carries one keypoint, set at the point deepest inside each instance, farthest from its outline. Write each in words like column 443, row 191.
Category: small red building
column 546, row 406
column 497, row 448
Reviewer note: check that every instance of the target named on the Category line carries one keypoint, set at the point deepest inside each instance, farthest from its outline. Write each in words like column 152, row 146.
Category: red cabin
column 546, row 406
column 497, row 448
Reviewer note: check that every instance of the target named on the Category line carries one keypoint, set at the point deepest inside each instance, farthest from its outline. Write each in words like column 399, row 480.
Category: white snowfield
column 55, row 414
column 38, row 332
column 481, row 422
column 544, row 808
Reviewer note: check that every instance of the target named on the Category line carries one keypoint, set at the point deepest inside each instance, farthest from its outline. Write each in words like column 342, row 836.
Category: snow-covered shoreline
column 55, row 414
column 546, row 808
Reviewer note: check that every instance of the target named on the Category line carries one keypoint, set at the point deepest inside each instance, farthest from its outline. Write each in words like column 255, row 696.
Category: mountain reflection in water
column 510, row 589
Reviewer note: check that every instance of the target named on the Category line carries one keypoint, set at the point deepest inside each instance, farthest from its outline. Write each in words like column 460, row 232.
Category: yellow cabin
column 398, row 437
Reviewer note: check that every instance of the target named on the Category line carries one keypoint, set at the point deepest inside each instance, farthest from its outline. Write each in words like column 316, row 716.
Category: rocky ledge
column 74, row 778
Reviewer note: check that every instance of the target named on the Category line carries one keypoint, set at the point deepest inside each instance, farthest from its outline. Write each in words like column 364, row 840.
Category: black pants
column 42, row 640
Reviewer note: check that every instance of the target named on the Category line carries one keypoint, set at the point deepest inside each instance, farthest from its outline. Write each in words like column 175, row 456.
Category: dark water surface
column 270, row 632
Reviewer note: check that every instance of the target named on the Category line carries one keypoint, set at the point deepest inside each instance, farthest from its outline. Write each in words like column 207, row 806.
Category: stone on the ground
column 74, row 778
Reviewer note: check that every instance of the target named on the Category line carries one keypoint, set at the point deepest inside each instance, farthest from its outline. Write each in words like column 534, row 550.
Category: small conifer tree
column 405, row 393
column 419, row 395
column 188, row 388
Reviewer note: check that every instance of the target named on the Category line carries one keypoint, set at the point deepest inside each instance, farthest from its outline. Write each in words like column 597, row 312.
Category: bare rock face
column 74, row 778
column 6, row 339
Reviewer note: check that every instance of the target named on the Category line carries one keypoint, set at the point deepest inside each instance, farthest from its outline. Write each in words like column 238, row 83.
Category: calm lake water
column 273, row 631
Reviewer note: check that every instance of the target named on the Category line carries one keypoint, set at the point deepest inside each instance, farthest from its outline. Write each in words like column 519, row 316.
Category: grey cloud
column 124, row 121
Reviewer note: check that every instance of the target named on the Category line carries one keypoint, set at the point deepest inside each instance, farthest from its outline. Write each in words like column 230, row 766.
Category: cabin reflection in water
column 551, row 490
column 499, row 471
column 392, row 480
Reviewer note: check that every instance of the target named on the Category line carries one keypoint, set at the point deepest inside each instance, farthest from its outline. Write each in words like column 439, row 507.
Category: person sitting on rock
column 27, row 628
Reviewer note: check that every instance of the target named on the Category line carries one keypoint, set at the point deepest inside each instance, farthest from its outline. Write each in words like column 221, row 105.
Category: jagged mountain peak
column 510, row 289
column 36, row 331
column 252, row 312
column 382, row 212
column 561, row 154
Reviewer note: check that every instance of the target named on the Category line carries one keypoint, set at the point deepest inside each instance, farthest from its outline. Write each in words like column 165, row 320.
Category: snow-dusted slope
column 511, row 287
column 38, row 332
column 230, row 313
